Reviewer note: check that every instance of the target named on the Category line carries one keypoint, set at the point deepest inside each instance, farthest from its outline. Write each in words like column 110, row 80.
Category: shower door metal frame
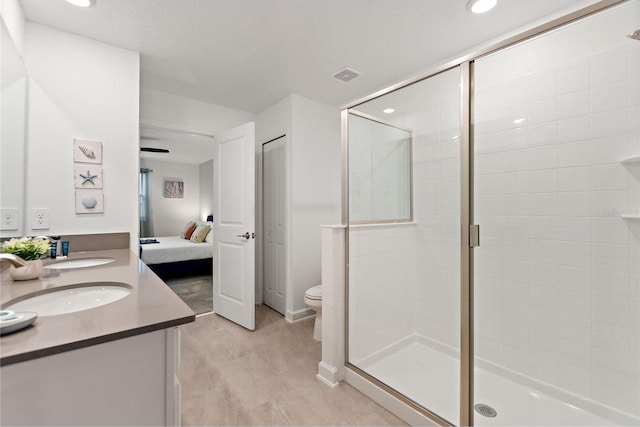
column 466, row 64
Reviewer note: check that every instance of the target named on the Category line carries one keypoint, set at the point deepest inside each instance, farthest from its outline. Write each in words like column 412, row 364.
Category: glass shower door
column 404, row 240
column 557, row 329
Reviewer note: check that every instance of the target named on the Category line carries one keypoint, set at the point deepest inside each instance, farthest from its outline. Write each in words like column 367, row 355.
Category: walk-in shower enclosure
column 536, row 141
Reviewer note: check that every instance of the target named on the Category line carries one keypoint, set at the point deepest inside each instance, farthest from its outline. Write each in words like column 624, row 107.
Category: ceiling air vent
column 347, row 74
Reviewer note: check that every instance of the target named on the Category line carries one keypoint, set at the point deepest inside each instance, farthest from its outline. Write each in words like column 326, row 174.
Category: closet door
column 273, row 155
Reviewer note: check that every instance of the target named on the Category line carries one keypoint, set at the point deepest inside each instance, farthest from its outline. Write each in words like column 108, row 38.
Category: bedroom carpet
column 196, row 292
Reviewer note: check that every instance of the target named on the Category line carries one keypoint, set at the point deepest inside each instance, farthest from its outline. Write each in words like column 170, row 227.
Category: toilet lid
column 314, row 293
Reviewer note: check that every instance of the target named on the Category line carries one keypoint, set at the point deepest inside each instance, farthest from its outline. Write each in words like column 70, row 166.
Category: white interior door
column 234, row 225
column 273, row 241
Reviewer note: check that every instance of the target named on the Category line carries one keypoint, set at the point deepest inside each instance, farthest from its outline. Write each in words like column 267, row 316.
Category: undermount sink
column 71, row 298
column 79, row 263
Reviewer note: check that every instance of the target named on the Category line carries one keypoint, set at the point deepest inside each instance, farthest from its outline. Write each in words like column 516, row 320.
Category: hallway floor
column 234, row 377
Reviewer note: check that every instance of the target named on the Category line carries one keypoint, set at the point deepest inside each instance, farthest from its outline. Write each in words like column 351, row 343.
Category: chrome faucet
column 15, row 260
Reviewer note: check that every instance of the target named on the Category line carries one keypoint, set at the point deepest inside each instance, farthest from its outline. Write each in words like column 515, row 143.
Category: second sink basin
column 71, row 298
column 78, row 263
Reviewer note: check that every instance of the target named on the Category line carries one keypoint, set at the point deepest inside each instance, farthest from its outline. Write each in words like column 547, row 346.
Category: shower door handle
column 245, row 235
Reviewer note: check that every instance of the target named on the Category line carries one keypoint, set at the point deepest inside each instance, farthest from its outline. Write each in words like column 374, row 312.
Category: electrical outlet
column 9, row 219
column 40, row 218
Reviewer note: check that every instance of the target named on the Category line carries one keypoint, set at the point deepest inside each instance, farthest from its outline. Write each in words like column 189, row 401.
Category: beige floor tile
column 214, row 406
column 290, row 409
column 234, row 377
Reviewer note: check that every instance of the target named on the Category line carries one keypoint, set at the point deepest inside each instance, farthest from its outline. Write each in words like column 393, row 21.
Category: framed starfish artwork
column 87, row 176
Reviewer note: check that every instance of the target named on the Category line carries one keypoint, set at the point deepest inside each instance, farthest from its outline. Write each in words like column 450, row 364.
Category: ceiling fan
column 154, row 150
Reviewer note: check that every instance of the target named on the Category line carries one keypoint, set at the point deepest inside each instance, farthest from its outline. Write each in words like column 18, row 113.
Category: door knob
column 245, row 235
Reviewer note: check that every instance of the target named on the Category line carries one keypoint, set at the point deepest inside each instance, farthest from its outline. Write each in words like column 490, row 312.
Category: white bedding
column 173, row 249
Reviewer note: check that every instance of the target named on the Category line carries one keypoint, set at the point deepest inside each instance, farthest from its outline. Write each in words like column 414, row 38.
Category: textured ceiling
column 249, row 54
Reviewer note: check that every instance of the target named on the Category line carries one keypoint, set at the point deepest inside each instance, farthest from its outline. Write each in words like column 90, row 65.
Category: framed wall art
column 89, row 201
column 85, row 151
column 87, row 176
column 173, row 189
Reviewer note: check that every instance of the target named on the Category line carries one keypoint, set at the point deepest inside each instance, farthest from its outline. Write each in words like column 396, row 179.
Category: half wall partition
column 537, row 142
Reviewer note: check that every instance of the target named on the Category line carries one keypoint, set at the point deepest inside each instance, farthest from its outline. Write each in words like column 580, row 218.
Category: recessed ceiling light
column 388, row 110
column 481, row 6
column 82, row 3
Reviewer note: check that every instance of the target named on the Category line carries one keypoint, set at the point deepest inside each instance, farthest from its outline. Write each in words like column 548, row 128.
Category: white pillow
column 209, row 237
column 200, row 233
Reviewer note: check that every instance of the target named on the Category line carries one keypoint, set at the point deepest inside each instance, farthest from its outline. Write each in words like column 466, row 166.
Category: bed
column 174, row 256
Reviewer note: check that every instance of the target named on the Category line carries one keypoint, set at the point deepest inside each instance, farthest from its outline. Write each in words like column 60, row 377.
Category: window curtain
column 146, row 222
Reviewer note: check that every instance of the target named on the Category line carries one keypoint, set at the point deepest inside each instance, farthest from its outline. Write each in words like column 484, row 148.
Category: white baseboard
column 329, row 375
column 294, row 316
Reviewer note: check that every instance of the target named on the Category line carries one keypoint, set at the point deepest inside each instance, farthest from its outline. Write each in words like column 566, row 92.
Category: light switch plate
column 40, row 218
column 9, row 219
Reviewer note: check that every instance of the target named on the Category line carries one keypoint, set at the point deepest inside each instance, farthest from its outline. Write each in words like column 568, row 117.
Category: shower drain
column 485, row 410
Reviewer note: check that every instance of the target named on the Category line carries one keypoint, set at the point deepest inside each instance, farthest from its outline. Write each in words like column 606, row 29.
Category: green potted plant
column 30, row 249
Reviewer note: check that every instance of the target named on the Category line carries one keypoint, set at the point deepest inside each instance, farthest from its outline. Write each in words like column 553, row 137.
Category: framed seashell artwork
column 87, row 176
column 86, row 151
column 89, row 201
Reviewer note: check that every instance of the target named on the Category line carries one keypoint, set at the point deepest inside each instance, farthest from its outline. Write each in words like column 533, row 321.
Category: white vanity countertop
column 150, row 306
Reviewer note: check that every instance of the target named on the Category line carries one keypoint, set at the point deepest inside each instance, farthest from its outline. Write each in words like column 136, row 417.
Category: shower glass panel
column 404, row 277
column 379, row 171
column 557, row 197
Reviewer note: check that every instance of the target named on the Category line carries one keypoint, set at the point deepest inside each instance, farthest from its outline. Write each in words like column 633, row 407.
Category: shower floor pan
column 430, row 377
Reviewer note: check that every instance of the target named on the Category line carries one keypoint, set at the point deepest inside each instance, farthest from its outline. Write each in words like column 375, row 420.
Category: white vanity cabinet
column 129, row 381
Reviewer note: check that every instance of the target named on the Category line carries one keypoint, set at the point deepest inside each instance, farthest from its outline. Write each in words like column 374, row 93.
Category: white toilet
column 313, row 299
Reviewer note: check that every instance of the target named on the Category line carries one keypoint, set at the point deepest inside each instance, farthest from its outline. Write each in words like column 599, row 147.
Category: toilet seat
column 314, row 293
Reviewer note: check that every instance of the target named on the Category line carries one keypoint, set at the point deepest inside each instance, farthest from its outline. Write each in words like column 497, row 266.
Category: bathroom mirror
column 12, row 138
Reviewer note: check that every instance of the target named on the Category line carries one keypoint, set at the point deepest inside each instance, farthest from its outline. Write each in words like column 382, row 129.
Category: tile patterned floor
column 234, row 377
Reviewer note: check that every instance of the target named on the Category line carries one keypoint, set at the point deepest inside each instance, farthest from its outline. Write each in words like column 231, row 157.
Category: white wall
column 316, row 170
column 80, row 88
column 312, row 181
column 205, row 171
column 14, row 19
column 170, row 215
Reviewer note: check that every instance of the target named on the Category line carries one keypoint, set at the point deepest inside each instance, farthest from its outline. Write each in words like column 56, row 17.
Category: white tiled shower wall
column 436, row 183
column 404, row 280
column 558, row 271
column 381, row 287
